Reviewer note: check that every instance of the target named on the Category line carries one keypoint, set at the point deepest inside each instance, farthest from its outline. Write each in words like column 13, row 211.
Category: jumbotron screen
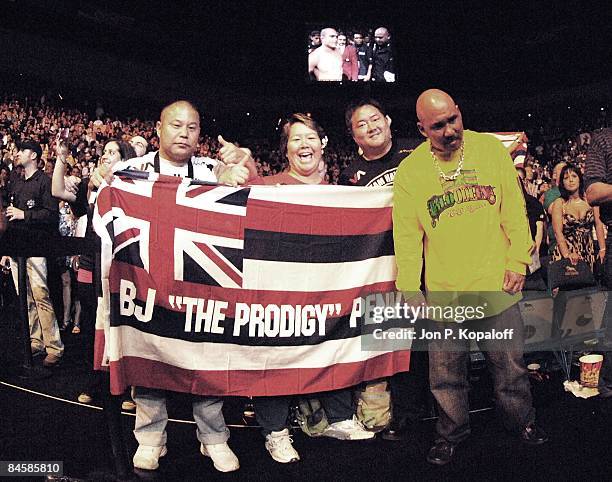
column 344, row 53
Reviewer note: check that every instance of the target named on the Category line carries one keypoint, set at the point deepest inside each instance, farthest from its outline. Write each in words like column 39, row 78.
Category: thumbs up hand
column 230, row 154
column 234, row 174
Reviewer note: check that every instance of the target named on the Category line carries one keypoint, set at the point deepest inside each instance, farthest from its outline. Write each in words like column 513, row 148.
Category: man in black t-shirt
column 380, row 156
column 31, row 207
column 364, row 57
column 383, row 69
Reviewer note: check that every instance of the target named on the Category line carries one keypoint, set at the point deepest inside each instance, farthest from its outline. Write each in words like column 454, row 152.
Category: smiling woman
column 302, row 142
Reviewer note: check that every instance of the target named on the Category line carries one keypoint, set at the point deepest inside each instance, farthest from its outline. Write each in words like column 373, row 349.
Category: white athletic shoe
column 85, row 398
column 279, row 444
column 128, row 405
column 222, row 456
column 351, row 429
column 147, row 457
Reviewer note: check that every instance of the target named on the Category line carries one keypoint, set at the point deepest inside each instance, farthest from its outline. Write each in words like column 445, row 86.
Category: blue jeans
column 409, row 389
column 271, row 412
column 448, row 375
column 152, row 418
column 605, row 376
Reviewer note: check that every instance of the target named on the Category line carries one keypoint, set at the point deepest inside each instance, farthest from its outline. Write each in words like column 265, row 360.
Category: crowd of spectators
column 85, row 135
column 556, row 139
column 41, row 120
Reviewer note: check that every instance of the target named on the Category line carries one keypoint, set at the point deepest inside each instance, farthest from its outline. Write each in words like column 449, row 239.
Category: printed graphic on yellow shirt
column 459, row 191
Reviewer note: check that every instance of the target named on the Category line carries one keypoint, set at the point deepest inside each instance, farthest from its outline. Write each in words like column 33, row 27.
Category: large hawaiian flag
column 254, row 291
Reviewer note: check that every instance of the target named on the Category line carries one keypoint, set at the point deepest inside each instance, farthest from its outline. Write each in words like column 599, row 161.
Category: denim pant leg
column 409, row 389
column 505, row 362
column 448, row 378
column 338, row 404
column 605, row 375
column 208, row 416
column 151, row 416
column 271, row 413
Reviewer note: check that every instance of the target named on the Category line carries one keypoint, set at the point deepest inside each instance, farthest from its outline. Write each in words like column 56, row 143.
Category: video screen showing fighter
column 350, row 53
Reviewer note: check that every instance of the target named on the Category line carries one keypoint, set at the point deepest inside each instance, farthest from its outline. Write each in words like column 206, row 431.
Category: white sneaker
column 147, row 457
column 85, row 398
column 351, row 429
column 222, row 456
column 279, row 444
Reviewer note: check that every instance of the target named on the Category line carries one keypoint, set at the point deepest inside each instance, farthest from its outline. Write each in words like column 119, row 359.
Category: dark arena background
column 539, row 67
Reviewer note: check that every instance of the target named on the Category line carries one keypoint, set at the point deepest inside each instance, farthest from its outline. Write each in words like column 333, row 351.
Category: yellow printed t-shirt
column 472, row 229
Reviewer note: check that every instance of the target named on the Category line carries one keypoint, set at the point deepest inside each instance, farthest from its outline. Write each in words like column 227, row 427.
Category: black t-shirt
column 378, row 172
column 33, row 197
column 382, row 61
column 535, row 213
column 363, row 55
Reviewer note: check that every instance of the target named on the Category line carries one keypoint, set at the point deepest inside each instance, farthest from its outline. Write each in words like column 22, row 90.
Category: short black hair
column 32, row 145
column 353, row 106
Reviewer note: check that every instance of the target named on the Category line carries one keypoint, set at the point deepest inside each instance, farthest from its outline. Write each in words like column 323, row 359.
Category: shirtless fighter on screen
column 326, row 61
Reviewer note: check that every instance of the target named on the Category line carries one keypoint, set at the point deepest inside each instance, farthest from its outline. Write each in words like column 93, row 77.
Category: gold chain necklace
column 453, row 176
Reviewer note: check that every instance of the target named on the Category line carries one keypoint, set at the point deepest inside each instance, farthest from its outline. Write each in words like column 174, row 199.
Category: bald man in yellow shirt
column 458, row 201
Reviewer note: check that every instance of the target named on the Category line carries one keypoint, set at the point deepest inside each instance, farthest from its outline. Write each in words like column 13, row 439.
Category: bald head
column 178, row 129
column 179, row 105
column 381, row 36
column 440, row 121
column 329, row 38
column 432, row 100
